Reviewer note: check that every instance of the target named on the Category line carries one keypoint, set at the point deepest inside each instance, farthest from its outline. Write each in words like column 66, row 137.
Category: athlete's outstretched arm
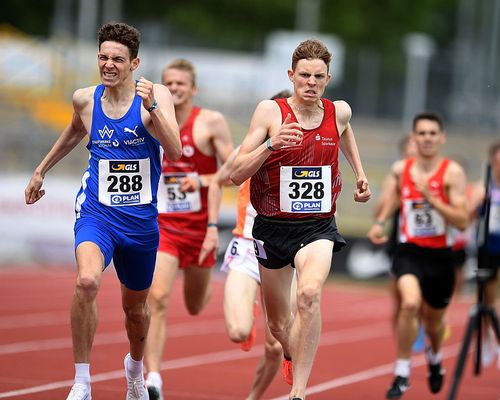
column 254, row 151
column 391, row 196
column 162, row 122
column 220, row 136
column 221, row 178
column 69, row 138
column 350, row 150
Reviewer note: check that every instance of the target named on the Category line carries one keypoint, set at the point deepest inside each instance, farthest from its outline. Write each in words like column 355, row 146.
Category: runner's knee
column 136, row 313
column 158, row 300
column 273, row 350
column 308, row 298
column 195, row 306
column 410, row 307
column 237, row 334
column 87, row 287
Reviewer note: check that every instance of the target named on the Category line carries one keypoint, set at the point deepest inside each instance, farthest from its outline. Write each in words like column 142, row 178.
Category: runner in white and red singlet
column 182, row 208
column 430, row 192
column 290, row 151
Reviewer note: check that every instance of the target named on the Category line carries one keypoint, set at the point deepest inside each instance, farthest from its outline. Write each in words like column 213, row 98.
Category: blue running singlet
column 120, row 184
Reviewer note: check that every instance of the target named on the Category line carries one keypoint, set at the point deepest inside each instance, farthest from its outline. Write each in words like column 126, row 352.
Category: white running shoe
column 79, row 391
column 136, row 388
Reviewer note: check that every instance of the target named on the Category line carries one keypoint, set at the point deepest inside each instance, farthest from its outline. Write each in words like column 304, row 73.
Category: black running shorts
column 277, row 241
column 490, row 262
column 459, row 258
column 433, row 268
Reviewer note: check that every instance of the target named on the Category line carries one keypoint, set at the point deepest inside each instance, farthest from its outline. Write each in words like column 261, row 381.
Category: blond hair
column 182, row 65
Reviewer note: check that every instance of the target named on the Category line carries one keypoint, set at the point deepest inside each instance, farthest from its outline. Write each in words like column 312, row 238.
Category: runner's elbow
column 236, row 178
column 174, row 154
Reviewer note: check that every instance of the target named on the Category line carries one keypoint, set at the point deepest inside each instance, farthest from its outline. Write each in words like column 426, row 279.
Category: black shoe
column 154, row 393
column 435, row 377
column 398, row 387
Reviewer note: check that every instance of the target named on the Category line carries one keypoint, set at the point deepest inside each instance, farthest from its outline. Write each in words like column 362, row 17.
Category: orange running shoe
column 248, row 344
column 287, row 370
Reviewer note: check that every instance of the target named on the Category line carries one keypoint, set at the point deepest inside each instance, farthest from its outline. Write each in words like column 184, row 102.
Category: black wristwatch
column 154, row 106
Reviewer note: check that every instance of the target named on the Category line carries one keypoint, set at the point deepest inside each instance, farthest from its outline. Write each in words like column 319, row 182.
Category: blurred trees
column 244, row 24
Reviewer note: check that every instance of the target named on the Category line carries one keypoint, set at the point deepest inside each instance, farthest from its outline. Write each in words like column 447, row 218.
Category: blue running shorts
column 134, row 255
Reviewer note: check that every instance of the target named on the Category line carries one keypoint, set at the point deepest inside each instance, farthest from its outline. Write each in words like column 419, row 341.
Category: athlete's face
column 309, row 78
column 115, row 65
column 180, row 84
column 428, row 137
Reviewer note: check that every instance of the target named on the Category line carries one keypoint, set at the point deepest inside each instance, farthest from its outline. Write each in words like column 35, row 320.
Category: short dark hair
column 311, row 49
column 121, row 33
column 430, row 116
column 494, row 148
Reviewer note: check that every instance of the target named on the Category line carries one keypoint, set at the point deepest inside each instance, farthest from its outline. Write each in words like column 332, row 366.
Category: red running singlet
column 420, row 223
column 185, row 213
column 301, row 182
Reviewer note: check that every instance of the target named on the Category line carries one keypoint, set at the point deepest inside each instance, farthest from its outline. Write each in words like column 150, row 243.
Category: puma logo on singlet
column 131, row 131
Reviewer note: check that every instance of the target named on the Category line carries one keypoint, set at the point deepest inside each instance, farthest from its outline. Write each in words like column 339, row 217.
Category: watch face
column 154, row 106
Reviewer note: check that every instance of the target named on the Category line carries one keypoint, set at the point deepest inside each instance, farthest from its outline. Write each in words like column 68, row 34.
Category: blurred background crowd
column 391, row 59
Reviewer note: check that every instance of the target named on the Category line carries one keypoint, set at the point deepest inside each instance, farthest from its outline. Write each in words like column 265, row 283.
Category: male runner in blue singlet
column 116, row 215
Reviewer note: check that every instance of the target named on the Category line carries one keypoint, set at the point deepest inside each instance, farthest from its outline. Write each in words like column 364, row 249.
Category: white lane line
column 199, row 327
column 186, row 362
column 350, row 335
column 447, row 352
column 176, row 330
column 344, row 309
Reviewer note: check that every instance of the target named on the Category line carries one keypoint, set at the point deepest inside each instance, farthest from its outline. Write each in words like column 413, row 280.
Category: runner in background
column 431, row 195
column 183, row 217
column 242, row 283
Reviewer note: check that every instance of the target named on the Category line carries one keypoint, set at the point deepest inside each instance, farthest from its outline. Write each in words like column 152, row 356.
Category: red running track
column 354, row 360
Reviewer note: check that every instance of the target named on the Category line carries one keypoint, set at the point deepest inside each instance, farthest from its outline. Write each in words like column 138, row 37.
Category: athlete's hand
column 210, row 244
column 362, row 193
column 376, row 234
column 189, row 184
column 34, row 191
column 290, row 134
column 144, row 90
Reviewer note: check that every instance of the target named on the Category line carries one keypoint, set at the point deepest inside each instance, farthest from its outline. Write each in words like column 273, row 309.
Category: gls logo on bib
column 122, row 167
column 306, row 173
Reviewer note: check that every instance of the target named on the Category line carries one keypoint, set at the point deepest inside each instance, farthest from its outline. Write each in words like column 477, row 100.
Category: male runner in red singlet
column 291, row 153
column 431, row 196
column 242, row 282
column 182, row 206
